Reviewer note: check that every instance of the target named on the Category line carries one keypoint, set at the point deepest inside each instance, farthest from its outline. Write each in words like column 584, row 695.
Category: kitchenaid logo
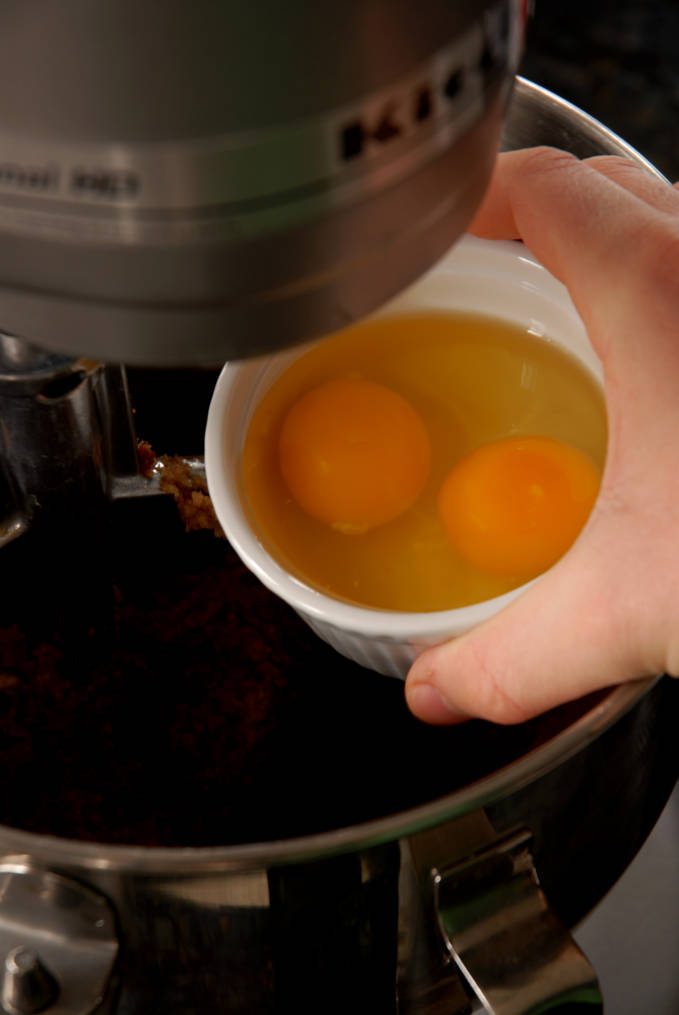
column 86, row 181
column 15, row 176
column 397, row 117
column 456, row 83
column 109, row 183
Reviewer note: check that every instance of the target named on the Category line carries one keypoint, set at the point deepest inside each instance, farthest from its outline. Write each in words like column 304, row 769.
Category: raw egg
column 354, row 454
column 515, row 505
column 347, row 451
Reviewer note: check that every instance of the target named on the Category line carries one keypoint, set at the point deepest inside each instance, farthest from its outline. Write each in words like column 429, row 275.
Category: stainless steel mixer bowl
column 186, row 183
column 376, row 913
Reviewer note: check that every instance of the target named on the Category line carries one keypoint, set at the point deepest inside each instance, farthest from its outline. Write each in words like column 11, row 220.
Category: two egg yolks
column 355, row 455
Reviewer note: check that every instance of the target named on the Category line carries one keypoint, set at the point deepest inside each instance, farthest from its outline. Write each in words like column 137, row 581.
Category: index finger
column 609, row 233
column 514, row 171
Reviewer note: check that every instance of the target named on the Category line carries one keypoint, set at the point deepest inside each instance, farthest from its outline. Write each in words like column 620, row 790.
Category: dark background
column 619, row 61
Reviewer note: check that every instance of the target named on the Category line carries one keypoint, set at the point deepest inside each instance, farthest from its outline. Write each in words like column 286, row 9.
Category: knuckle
column 615, row 166
column 543, row 161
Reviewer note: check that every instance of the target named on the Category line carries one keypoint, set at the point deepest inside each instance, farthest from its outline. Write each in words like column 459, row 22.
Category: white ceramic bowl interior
column 495, row 278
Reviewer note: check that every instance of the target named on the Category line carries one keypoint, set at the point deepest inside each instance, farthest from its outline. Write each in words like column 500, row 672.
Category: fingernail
column 429, row 705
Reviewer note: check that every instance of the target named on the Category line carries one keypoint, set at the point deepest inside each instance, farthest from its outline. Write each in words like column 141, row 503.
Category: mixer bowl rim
column 531, row 91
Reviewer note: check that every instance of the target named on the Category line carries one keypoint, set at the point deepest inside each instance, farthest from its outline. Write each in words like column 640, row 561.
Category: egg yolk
column 354, row 454
column 514, row 506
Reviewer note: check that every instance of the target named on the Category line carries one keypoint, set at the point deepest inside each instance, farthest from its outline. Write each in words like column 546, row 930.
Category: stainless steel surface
column 27, row 985
column 58, row 943
column 510, row 946
column 67, row 441
column 224, row 179
column 539, row 117
column 49, row 440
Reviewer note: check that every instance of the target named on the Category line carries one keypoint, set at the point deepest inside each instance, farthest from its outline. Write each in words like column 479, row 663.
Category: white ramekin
column 496, row 278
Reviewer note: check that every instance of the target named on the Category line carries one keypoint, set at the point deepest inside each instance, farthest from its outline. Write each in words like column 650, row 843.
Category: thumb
column 562, row 638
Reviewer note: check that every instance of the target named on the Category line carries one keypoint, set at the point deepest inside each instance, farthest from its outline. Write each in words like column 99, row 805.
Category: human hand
column 608, row 611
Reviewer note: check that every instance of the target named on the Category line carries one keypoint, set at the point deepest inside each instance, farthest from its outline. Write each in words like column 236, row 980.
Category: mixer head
column 212, row 183
column 232, row 178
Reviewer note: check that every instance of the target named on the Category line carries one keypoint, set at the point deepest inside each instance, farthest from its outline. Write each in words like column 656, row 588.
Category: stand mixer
column 188, row 184
column 185, row 183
